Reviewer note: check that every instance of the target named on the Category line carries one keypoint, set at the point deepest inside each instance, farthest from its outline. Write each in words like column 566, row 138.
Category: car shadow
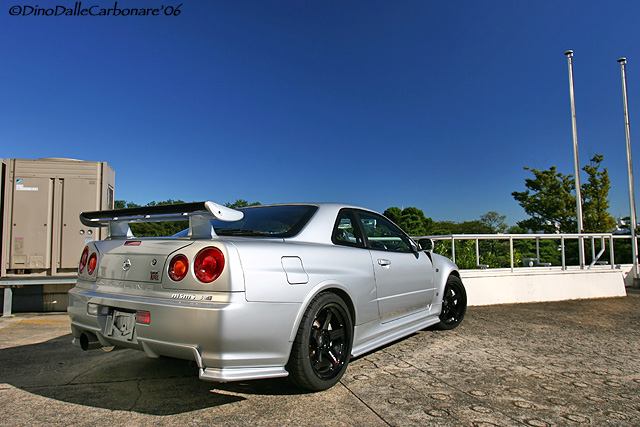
column 122, row 379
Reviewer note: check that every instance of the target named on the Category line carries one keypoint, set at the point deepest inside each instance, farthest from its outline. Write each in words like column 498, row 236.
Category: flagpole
column 632, row 201
column 576, row 162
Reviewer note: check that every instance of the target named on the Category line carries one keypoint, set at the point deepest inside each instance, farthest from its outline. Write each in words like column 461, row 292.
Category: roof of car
column 320, row 226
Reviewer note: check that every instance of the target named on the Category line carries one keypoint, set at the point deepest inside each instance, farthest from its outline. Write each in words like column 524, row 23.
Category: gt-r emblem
column 126, row 265
column 155, row 275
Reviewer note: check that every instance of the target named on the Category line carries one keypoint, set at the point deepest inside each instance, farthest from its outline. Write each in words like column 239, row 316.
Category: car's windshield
column 265, row 221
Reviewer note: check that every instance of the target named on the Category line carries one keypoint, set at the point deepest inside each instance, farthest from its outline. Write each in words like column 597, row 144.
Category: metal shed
column 42, row 236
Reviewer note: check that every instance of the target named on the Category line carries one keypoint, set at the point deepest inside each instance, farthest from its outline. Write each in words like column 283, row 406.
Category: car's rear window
column 267, row 221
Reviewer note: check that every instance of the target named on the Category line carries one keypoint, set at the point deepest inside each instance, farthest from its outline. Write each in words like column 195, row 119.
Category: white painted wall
column 627, row 270
column 488, row 287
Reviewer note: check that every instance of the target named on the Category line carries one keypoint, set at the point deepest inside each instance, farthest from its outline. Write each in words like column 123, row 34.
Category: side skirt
column 374, row 334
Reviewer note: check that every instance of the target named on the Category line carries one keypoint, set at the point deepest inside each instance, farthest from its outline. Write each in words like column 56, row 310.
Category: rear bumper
column 229, row 338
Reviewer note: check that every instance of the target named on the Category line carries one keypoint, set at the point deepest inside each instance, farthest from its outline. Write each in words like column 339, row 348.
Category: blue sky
column 433, row 104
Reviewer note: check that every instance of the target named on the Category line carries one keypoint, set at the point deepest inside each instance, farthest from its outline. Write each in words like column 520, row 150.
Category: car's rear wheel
column 454, row 304
column 322, row 348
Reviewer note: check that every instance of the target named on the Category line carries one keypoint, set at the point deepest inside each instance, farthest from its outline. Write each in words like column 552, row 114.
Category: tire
column 454, row 304
column 322, row 348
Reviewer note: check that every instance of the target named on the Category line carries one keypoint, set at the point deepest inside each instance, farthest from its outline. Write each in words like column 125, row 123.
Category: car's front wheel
column 454, row 304
column 322, row 348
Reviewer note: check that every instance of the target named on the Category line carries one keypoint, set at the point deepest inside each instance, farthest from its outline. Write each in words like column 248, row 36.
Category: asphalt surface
column 569, row 363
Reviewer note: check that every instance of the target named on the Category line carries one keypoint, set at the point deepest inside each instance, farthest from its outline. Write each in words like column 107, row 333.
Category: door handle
column 384, row 262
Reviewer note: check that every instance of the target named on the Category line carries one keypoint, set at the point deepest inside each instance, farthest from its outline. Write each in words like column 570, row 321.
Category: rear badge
column 126, row 265
column 183, row 296
column 155, row 275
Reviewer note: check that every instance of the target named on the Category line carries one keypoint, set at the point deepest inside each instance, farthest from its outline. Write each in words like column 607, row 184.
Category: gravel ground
column 570, row 363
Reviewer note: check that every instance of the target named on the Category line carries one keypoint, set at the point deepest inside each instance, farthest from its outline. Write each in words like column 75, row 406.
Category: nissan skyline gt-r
column 259, row 292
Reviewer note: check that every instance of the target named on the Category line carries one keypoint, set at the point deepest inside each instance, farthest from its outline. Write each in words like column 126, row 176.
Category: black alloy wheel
column 454, row 304
column 322, row 348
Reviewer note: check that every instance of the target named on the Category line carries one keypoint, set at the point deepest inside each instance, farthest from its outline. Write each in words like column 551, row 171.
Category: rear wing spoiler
column 198, row 214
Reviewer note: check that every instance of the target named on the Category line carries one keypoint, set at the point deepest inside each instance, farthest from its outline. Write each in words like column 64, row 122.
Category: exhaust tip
column 89, row 341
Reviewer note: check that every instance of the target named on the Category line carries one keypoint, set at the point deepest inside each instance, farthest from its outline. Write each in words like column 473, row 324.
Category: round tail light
column 93, row 261
column 83, row 259
column 178, row 267
column 209, row 264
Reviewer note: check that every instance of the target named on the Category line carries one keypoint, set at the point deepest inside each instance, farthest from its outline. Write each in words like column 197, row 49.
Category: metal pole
column 612, row 254
column 576, row 161
column 632, row 199
column 453, row 248
column 511, row 251
column 6, row 309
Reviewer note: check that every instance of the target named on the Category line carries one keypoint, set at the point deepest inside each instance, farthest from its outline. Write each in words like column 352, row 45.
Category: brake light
column 178, row 267
column 83, row 259
column 143, row 317
column 93, row 261
column 209, row 264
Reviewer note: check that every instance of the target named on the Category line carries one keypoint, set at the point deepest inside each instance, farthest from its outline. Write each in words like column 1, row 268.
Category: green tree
column 121, row 204
column 165, row 202
column 160, row 228
column 394, row 213
column 551, row 204
column 494, row 253
column 548, row 201
column 495, row 222
column 466, row 227
column 412, row 220
column 595, row 193
column 475, row 226
column 240, row 203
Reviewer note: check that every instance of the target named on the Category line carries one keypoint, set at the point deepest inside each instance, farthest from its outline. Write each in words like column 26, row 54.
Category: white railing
column 593, row 239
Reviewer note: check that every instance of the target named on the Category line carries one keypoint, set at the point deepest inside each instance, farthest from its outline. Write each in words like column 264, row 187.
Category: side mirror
column 425, row 245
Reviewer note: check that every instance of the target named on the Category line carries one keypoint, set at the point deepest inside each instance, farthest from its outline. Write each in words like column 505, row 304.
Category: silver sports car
column 265, row 291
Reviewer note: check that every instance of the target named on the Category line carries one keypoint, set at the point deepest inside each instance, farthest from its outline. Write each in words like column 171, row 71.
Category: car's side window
column 346, row 231
column 382, row 234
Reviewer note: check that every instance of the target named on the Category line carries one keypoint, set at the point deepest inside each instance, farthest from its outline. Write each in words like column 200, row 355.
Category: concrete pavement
column 568, row 363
